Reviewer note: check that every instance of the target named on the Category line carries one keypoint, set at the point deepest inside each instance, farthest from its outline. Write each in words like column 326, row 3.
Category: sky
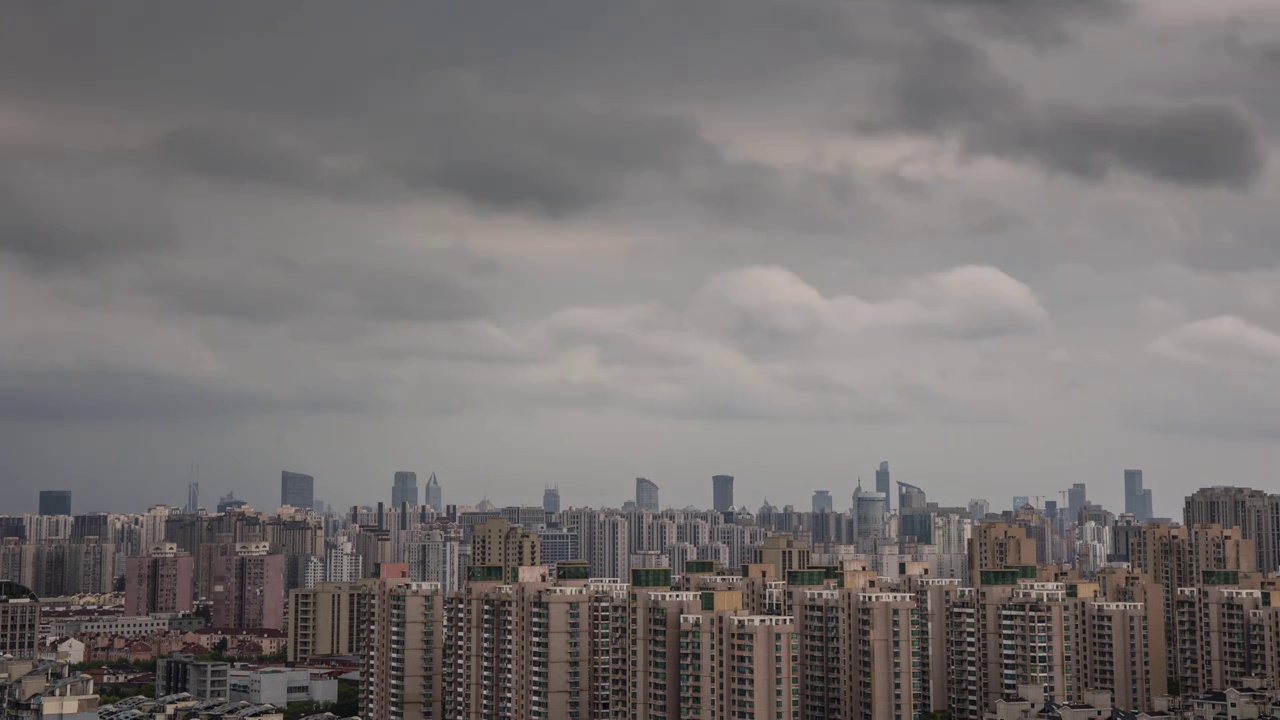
column 1006, row 245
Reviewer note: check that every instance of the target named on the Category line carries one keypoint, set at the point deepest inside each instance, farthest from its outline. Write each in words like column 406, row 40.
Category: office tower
column 551, row 500
column 1254, row 512
column 249, row 588
column 978, row 509
column 55, row 502
column 161, row 581
column 822, row 501
column 1075, row 500
column 882, row 480
column 869, row 510
column 1051, row 509
column 1137, row 500
column 910, row 496
column 193, row 498
column 722, row 492
column 647, row 495
column 433, row 495
column 1020, row 501
column 498, row 543
column 19, row 621
column 404, row 489
column 297, row 490
column 323, row 621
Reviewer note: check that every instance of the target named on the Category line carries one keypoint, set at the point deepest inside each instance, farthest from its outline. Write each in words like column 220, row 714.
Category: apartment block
column 19, row 621
column 162, row 581
column 248, row 588
column 324, row 620
column 403, row 663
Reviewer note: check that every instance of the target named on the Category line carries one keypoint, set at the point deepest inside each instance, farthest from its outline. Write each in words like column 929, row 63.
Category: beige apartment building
column 324, row 620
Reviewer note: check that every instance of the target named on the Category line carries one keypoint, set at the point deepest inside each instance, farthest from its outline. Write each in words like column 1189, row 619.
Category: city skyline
column 724, row 246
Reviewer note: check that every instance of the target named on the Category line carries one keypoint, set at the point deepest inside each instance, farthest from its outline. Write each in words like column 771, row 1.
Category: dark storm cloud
column 949, row 88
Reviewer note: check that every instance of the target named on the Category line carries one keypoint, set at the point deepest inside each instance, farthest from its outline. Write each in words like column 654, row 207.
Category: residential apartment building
column 161, row 581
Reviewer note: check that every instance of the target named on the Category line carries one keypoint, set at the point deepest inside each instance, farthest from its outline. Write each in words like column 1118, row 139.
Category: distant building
column 1137, row 500
column 646, row 494
column 822, row 501
column 249, row 588
column 722, row 492
column 404, row 489
column 161, row 581
column 434, row 497
column 978, row 509
column 910, row 497
column 1254, row 512
column 551, row 500
column 55, row 502
column 297, row 490
column 882, row 481
column 1076, row 499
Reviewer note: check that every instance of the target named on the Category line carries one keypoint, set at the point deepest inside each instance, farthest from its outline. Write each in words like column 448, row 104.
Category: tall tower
column 551, row 499
column 647, row 494
column 404, row 489
column 55, row 502
column 193, row 498
column 822, row 501
column 434, row 498
column 297, row 490
column 722, row 492
column 1137, row 500
column 882, row 482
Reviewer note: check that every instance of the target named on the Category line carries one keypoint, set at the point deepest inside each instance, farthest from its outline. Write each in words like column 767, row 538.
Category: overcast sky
column 1006, row 245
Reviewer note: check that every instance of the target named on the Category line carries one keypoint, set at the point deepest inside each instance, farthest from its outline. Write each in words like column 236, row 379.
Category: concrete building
column 783, row 552
column 162, row 581
column 297, row 490
column 249, row 588
column 55, row 502
column 647, row 495
column 999, row 545
column 1254, row 512
column 19, row 621
column 324, row 620
column 910, row 497
column 184, row 673
column 280, row 686
column 34, row 691
column 978, row 509
column 404, row 489
column 722, row 493
column 497, row 542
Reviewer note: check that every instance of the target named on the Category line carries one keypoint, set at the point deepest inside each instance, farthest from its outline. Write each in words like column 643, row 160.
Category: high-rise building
column 722, row 492
column 402, row 661
column 498, row 543
column 997, row 546
column 297, row 490
column 1254, row 512
column 55, row 502
column 910, row 497
column 248, row 588
column 551, row 499
column 404, row 489
column 882, row 482
column 434, row 497
column 1020, row 501
column 161, row 581
column 1075, row 500
column 869, row 510
column 822, row 501
column 323, row 620
column 1137, row 500
column 978, row 509
column 19, row 621
column 647, row 495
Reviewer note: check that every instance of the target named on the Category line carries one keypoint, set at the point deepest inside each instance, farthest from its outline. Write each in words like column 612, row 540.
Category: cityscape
column 416, row 607
column 640, row 360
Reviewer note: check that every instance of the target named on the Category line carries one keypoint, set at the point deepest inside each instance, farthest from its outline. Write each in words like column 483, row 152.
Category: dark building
column 434, row 497
column 404, row 489
column 95, row 525
column 882, row 480
column 822, row 501
column 722, row 492
column 551, row 500
column 910, row 496
column 55, row 502
column 647, row 495
column 1075, row 500
column 19, row 621
column 1137, row 500
column 297, row 490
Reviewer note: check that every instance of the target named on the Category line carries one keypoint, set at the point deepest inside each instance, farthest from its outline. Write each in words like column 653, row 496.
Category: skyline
column 1009, row 246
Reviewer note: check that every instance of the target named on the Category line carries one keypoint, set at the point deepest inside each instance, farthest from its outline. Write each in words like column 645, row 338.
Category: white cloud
column 1226, row 342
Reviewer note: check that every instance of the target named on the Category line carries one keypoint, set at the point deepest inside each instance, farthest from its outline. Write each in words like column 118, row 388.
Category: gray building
column 1076, row 498
column 882, row 481
column 404, row 489
column 647, row 494
column 19, row 621
column 297, row 490
column 910, row 497
column 722, row 492
column 978, row 509
column 434, row 498
column 1137, row 500
column 55, row 502
column 822, row 501
column 201, row 679
column 1255, row 512
column 559, row 546
column 551, row 500
column 869, row 510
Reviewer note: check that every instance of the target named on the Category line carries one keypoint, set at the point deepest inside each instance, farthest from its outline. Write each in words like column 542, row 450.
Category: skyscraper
column 55, row 502
column 646, row 494
column 404, row 489
column 434, row 498
column 910, row 496
column 978, row 509
column 882, row 481
column 297, row 490
column 822, row 501
column 551, row 500
column 722, row 492
column 1075, row 500
column 1137, row 500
